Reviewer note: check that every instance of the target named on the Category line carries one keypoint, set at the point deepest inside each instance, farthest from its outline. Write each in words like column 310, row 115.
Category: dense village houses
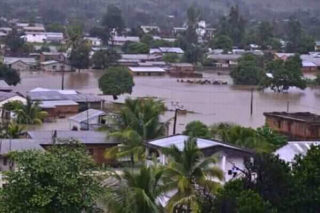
column 43, row 37
column 88, row 120
column 297, row 126
column 135, row 59
column 166, row 50
column 230, row 159
column 310, row 62
column 84, row 101
column 21, row 64
column 150, row 29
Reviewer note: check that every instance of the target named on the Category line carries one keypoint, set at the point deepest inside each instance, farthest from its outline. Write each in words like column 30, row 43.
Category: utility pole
column 251, row 103
column 88, row 126
column 288, row 105
column 62, row 80
column 177, row 107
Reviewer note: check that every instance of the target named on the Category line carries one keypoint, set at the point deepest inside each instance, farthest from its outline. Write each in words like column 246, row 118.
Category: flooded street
column 208, row 103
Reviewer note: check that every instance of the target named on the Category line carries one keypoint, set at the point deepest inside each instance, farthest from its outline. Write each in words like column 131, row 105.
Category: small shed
column 87, row 120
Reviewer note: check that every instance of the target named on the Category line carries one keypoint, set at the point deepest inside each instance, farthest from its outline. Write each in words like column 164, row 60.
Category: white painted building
column 230, row 159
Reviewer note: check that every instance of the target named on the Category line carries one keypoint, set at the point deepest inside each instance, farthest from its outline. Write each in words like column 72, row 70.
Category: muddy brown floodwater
column 209, row 103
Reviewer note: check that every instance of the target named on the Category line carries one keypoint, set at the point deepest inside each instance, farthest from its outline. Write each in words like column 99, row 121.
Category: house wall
column 61, row 110
column 148, row 73
column 93, row 123
column 58, row 67
column 294, row 129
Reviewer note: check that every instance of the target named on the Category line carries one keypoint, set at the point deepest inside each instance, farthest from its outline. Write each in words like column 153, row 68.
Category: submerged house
column 297, row 126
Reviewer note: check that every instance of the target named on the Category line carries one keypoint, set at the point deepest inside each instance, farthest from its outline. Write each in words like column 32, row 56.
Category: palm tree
column 134, row 192
column 138, row 122
column 14, row 130
column 189, row 174
column 30, row 113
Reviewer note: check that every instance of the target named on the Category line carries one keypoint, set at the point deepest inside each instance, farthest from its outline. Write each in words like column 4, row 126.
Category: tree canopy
column 10, row 76
column 53, row 181
column 105, row 58
column 116, row 81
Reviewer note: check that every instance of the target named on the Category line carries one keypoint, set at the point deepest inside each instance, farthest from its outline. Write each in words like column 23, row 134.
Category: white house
column 55, row 66
column 230, row 159
column 35, row 37
column 87, row 120
column 6, row 97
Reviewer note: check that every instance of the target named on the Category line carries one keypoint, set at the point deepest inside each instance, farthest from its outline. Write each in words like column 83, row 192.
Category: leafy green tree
column 306, row 172
column 273, row 182
column 285, row 74
column 55, row 181
column 101, row 33
column 104, row 58
column 135, row 48
column 197, row 129
column 116, row 81
column 74, row 36
column 264, row 34
column 147, row 39
column 251, row 202
column 10, row 76
column 55, row 27
column 30, row 113
column 17, row 45
column 272, row 137
column 171, row 58
column 248, row 71
column 113, row 19
column 233, row 26
column 193, row 54
column 135, row 192
column 222, row 42
column 189, row 172
column 79, row 57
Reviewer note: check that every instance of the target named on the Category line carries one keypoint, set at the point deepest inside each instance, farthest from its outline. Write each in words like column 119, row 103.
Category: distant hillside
column 153, row 11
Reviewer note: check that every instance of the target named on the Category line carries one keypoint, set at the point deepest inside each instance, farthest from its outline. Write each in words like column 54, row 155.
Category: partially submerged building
column 297, row 126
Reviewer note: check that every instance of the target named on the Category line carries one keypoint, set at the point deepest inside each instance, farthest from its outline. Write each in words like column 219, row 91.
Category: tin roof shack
column 87, row 120
column 95, row 142
column 147, row 71
column 55, row 66
column 182, row 70
column 224, row 61
column 229, row 158
column 297, row 126
column 85, row 101
column 21, row 64
column 56, row 56
column 59, row 109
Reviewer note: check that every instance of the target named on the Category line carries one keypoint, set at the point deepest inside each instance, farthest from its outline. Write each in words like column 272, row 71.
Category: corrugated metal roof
column 86, row 137
column 6, row 95
column 11, row 60
column 146, row 69
column 294, row 148
column 53, row 104
column 178, row 141
column 11, row 145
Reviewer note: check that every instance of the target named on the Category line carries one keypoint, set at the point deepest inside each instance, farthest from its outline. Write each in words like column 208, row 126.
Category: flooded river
column 208, row 103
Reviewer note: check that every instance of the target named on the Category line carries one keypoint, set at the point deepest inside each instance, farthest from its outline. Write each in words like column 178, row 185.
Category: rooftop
column 88, row 114
column 49, row 62
column 297, row 116
column 53, row 104
column 11, row 60
column 178, row 141
column 6, row 95
column 86, row 137
column 294, row 148
column 177, row 50
column 146, row 69
column 11, row 145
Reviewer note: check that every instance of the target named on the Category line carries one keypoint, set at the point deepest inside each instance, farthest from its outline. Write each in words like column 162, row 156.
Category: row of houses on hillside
column 310, row 62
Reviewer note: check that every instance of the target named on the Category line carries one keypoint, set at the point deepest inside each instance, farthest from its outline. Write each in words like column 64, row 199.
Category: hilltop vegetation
column 164, row 13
